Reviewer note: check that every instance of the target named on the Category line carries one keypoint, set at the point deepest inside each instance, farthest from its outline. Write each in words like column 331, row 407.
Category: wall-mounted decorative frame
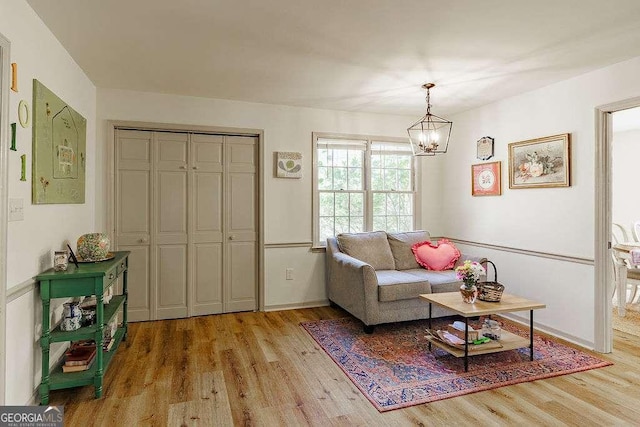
column 14, row 76
column 59, row 149
column 13, row 137
column 486, row 179
column 23, row 167
column 24, row 116
column 540, row 163
column 288, row 164
column 484, row 148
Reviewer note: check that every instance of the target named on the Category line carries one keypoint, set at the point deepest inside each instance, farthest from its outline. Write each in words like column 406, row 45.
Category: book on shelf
column 80, row 353
column 78, row 368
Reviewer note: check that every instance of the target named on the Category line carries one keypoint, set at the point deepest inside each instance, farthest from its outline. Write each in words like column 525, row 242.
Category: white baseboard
column 307, row 304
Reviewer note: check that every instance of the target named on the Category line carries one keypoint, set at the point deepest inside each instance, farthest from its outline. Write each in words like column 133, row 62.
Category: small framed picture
column 288, row 164
column 484, row 148
column 486, row 179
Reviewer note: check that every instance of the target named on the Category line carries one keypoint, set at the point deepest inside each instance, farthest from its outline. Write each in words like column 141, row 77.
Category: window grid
column 363, row 187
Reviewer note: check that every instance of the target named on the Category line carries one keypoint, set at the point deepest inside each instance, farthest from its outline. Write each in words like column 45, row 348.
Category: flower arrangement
column 470, row 272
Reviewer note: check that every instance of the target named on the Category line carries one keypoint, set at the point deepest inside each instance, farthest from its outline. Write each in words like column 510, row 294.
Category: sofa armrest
column 350, row 281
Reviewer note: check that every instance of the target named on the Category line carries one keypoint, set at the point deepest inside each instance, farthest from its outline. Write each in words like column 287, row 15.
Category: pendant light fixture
column 430, row 135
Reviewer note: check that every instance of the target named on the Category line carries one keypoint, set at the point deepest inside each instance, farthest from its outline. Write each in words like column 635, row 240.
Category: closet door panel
column 207, row 275
column 171, row 150
column 133, row 204
column 171, row 207
column 139, row 299
column 242, row 280
column 171, row 265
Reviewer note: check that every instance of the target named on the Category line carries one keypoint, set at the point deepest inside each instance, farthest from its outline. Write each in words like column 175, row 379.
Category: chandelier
column 430, row 135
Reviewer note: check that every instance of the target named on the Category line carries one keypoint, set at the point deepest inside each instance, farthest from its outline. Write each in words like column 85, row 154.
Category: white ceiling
column 355, row 55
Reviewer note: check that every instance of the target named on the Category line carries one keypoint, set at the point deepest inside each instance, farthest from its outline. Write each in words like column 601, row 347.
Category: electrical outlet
column 289, row 273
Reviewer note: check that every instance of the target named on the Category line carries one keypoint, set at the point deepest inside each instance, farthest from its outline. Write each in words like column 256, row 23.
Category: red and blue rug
column 394, row 369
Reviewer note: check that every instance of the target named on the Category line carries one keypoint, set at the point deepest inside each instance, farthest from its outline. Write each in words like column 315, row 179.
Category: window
column 362, row 184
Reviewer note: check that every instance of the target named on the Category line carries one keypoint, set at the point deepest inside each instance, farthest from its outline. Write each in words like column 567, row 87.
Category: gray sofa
column 375, row 277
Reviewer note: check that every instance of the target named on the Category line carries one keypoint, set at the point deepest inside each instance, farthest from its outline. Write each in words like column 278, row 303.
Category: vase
column 93, row 246
column 469, row 295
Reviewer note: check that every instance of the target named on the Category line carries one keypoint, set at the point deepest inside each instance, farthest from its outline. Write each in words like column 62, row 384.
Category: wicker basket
column 490, row 291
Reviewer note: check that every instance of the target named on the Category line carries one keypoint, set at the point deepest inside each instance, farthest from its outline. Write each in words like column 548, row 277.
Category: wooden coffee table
column 508, row 304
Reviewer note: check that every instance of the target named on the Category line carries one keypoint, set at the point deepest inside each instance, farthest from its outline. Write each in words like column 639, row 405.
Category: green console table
column 85, row 280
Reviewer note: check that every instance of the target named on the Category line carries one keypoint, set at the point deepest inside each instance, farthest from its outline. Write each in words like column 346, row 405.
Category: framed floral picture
column 486, row 179
column 540, row 163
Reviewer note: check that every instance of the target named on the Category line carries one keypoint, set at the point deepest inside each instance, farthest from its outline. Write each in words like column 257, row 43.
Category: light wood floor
column 263, row 369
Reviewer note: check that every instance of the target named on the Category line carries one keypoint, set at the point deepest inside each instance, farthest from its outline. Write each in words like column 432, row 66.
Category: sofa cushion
column 442, row 256
column 401, row 244
column 396, row 285
column 372, row 248
column 441, row 281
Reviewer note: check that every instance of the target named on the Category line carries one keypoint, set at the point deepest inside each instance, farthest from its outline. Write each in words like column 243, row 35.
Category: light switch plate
column 16, row 209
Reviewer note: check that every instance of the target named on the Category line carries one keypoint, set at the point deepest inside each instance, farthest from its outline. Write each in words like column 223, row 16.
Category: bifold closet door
column 241, row 224
column 170, row 239
column 133, row 155
column 186, row 208
column 206, row 225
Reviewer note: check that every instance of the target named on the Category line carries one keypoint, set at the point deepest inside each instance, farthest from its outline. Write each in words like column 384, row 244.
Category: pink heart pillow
column 442, row 256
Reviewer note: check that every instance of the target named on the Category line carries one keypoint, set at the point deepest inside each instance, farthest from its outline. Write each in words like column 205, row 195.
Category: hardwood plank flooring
column 263, row 369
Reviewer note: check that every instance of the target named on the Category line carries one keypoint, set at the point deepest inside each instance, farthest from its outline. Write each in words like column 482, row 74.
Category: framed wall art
column 484, row 148
column 59, row 149
column 540, row 163
column 288, row 164
column 486, row 179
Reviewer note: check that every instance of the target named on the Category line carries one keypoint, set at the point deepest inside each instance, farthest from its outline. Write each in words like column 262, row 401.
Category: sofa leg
column 333, row 304
column 368, row 329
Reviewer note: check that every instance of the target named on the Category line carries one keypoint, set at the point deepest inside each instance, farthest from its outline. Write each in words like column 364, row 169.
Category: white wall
column 45, row 228
column 285, row 129
column 625, row 177
column 553, row 220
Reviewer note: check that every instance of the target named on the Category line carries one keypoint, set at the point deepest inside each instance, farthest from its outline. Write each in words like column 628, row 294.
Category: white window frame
column 368, row 193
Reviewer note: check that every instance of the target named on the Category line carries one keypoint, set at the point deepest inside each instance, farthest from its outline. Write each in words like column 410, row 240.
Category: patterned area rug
column 394, row 369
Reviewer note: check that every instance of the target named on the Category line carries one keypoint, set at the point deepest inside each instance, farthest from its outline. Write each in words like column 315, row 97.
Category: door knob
column 143, row 240
column 195, row 167
column 183, row 167
column 232, row 237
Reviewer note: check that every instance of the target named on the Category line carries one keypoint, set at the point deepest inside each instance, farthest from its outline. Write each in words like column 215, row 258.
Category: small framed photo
column 540, row 163
column 486, row 179
column 484, row 148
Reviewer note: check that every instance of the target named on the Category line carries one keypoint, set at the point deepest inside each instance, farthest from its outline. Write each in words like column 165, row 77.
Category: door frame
column 5, row 51
column 603, row 272
column 110, row 181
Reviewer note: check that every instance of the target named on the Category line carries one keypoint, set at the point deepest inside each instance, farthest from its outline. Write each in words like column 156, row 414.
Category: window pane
column 357, row 205
column 326, row 204
column 379, row 204
column 379, row 223
column 324, row 179
column 405, row 223
column 326, row 228
column 404, row 180
column 357, row 225
column 376, row 161
column 355, row 179
column 342, row 224
column 377, row 181
column 339, row 178
column 355, row 158
column 340, row 158
column 390, row 179
column 405, row 203
column 342, row 204
column 390, row 161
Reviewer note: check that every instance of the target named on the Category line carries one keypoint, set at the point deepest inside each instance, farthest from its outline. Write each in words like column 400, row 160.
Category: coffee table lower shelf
column 508, row 341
